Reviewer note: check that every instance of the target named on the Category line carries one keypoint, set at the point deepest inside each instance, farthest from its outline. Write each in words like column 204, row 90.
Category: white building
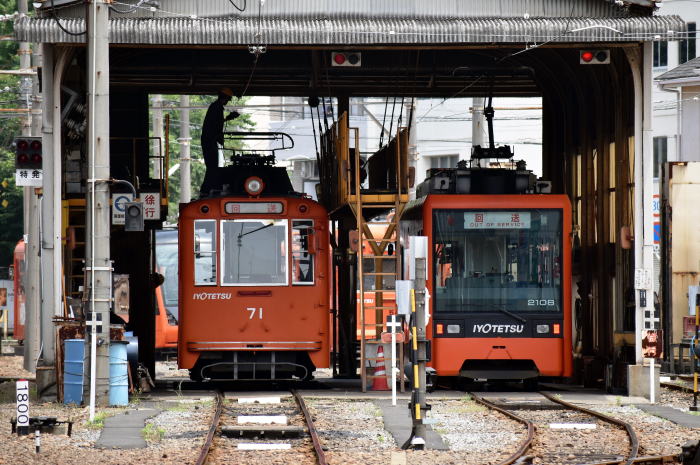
column 667, row 56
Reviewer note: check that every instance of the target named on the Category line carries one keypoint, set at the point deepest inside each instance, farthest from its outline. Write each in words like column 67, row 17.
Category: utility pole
column 185, row 142
column 412, row 144
column 32, row 305
column 157, row 141
column 98, row 265
column 477, row 122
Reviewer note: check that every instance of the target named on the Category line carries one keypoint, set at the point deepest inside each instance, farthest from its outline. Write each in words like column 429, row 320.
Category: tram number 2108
column 540, row 303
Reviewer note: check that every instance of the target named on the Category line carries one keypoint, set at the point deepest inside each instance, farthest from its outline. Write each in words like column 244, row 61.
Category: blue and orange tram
column 499, row 273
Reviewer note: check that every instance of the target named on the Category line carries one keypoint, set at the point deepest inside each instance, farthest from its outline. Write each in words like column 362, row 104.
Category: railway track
column 560, row 432
column 259, row 425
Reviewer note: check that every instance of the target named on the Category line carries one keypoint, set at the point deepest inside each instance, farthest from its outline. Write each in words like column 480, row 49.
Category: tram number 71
column 253, row 311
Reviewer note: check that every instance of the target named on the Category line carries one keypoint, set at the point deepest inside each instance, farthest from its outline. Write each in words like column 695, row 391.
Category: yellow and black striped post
column 694, row 351
column 418, row 353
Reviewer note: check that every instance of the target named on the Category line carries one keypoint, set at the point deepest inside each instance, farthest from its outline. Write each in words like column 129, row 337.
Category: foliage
column 98, row 421
column 153, row 433
column 11, row 215
column 200, row 104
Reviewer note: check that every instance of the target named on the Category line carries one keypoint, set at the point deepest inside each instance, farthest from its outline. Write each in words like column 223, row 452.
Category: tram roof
column 364, row 22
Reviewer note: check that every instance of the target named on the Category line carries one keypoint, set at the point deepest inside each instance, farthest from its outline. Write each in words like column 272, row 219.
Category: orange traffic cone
column 379, row 383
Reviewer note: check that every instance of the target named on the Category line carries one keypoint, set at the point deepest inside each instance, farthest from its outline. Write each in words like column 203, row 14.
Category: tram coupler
column 691, row 453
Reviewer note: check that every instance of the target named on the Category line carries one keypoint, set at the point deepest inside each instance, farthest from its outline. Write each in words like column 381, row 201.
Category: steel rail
column 634, row 442
column 525, row 445
column 320, row 455
column 204, row 451
column 677, row 387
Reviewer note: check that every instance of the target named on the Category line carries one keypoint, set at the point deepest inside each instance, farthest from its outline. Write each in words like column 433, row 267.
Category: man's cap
column 226, row 91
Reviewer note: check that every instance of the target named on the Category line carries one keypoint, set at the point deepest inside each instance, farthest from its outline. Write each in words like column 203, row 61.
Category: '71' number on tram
column 253, row 311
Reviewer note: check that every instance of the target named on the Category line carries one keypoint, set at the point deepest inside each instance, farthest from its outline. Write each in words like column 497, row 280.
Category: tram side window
column 302, row 252
column 205, row 252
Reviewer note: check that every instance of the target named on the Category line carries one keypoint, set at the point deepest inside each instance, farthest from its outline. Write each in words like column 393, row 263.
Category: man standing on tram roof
column 213, row 134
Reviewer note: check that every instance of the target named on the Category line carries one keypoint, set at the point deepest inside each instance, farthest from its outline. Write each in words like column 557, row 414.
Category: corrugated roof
column 689, row 69
column 361, row 31
column 324, row 9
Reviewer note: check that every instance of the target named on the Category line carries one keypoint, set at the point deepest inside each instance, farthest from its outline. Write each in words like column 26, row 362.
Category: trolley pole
column 185, row 141
column 98, row 265
column 419, row 355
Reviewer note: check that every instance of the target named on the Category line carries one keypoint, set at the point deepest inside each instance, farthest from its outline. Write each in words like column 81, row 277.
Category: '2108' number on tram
column 540, row 303
column 253, row 311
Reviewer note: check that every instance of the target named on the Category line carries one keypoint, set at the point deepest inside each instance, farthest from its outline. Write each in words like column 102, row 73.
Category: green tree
column 10, row 208
column 202, row 102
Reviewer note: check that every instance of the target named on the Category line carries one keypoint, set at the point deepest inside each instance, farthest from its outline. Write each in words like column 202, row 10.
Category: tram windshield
column 497, row 260
column 254, row 252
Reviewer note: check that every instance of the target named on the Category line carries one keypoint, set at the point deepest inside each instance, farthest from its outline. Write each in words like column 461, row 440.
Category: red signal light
column 339, row 58
column 35, row 145
column 36, row 158
column 22, row 145
column 587, row 56
column 22, row 158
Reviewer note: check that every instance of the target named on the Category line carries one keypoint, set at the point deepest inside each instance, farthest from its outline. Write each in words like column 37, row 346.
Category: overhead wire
column 60, row 26
column 237, row 7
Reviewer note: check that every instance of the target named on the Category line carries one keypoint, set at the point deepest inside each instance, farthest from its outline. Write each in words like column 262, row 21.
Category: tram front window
column 254, row 252
column 491, row 260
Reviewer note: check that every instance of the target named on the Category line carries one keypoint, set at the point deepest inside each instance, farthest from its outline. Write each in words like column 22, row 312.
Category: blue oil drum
column 118, row 374
column 73, row 371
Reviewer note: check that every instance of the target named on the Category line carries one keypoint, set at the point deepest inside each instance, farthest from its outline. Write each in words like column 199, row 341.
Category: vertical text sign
column 22, row 405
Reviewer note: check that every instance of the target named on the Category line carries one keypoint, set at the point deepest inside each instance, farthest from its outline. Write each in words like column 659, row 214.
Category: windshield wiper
column 501, row 309
column 509, row 313
column 255, row 230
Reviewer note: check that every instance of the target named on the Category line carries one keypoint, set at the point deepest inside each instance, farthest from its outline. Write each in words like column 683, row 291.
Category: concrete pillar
column 643, row 196
column 50, row 228
column 98, row 264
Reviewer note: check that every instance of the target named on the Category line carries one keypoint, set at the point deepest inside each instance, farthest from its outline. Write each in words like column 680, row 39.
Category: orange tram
column 254, row 268
column 499, row 273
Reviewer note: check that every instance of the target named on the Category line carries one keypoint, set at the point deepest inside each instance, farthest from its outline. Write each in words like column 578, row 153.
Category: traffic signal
column 133, row 216
column 353, row 59
column 28, row 154
column 594, row 57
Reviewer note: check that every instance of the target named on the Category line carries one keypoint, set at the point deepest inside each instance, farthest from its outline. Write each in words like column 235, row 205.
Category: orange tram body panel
column 253, row 287
column 499, row 277
column 166, row 293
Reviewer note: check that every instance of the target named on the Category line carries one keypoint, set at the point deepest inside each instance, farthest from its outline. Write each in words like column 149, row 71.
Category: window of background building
column 660, row 54
column 686, row 47
column 660, row 151
column 443, row 161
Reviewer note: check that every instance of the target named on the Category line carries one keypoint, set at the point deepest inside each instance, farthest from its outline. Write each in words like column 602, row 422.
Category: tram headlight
column 453, row 329
column 542, row 329
column 254, row 185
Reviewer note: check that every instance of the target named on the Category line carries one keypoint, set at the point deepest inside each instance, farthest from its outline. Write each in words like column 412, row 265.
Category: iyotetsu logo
column 488, row 328
column 212, row 296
